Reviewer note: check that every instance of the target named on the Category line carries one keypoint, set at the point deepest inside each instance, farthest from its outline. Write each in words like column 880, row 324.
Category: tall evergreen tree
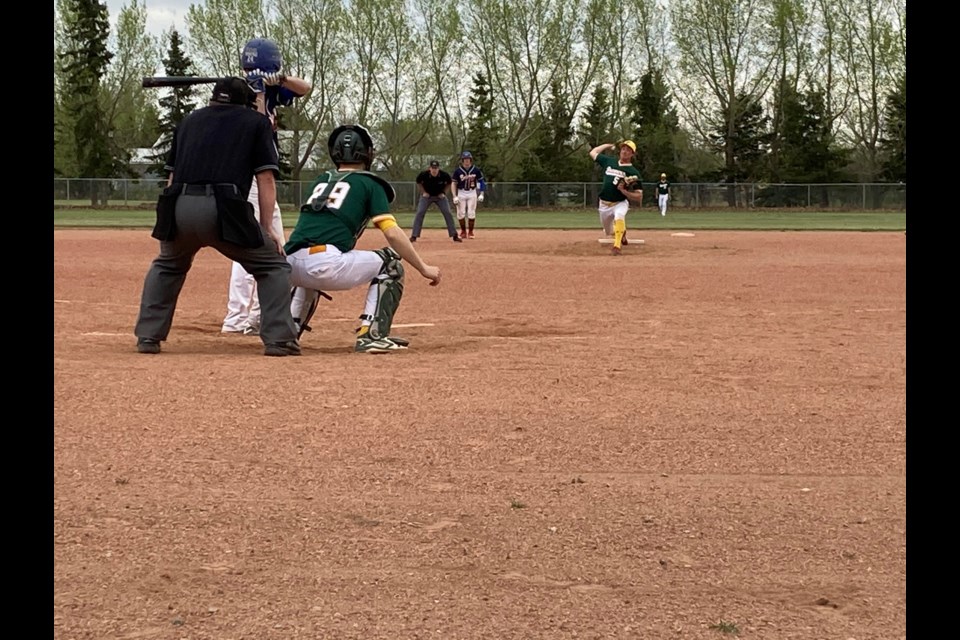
column 893, row 144
column 744, row 143
column 656, row 125
column 481, row 133
column 176, row 102
column 84, row 63
column 808, row 152
column 550, row 158
column 596, row 127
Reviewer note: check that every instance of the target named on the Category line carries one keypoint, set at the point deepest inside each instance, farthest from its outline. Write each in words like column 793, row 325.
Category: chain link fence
column 133, row 193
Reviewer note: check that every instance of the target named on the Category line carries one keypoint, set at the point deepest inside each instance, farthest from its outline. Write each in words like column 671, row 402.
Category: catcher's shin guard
column 389, row 289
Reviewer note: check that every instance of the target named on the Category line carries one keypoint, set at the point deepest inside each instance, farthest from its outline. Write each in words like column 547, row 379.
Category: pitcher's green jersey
column 613, row 172
column 352, row 202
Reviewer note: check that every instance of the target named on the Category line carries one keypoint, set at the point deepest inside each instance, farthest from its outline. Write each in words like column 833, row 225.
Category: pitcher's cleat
column 616, row 251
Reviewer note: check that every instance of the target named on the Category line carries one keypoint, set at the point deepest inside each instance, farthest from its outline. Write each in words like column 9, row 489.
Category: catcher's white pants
column 243, row 305
column 610, row 211
column 662, row 201
column 330, row 269
column 467, row 207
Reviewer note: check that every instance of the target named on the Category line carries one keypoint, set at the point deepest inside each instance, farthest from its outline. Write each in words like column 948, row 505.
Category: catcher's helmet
column 261, row 54
column 351, row 144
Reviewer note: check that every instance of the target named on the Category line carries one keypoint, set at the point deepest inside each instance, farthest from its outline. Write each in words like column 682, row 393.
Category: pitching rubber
column 630, row 241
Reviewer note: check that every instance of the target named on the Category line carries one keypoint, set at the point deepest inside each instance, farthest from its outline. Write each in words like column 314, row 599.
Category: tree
column 482, row 134
column 596, row 127
column 176, row 102
column 521, row 47
column 218, row 29
column 130, row 110
column 315, row 48
column 893, row 144
column 872, row 56
column 808, row 149
column 551, row 157
column 745, row 142
column 725, row 46
column 790, row 30
column 656, row 128
column 83, row 63
column 597, row 122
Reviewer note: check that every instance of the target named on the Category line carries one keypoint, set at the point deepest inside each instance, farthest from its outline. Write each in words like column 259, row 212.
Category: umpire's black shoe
column 279, row 349
column 457, row 239
column 148, row 345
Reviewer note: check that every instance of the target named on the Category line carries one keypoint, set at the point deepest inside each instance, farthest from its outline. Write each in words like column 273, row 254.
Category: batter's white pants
column 610, row 211
column 662, row 201
column 467, row 207
column 330, row 269
column 243, row 305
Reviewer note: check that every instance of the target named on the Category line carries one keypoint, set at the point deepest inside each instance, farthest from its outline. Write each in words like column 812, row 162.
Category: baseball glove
column 631, row 183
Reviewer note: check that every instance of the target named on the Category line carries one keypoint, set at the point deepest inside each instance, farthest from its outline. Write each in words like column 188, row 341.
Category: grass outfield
column 756, row 220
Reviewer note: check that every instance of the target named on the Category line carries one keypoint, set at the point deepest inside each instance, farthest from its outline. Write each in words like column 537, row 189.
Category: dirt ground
column 702, row 438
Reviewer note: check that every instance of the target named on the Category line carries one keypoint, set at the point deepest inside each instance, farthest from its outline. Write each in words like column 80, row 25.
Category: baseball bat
column 151, row 82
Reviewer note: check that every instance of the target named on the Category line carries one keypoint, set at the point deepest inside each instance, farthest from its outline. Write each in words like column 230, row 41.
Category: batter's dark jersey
column 274, row 97
column 613, row 172
column 354, row 201
column 223, row 144
column 434, row 185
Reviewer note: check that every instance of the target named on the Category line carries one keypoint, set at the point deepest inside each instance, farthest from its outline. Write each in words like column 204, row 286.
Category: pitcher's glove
column 631, row 183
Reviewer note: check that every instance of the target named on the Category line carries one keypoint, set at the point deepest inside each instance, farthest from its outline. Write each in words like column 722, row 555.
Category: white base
column 630, row 241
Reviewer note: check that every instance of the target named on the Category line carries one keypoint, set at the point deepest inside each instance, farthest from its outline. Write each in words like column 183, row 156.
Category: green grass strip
column 756, row 220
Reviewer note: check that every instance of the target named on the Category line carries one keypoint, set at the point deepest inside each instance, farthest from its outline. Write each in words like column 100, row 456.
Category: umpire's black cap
column 233, row 90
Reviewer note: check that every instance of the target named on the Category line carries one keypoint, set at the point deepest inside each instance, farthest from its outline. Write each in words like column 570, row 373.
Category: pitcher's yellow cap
column 631, row 144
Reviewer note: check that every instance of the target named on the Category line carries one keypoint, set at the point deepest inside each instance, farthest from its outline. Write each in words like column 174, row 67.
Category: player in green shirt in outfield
column 322, row 248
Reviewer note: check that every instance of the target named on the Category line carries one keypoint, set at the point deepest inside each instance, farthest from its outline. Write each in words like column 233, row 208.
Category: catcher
column 621, row 186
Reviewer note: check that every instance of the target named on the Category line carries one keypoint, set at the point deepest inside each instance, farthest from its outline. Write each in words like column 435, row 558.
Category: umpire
column 433, row 183
column 217, row 151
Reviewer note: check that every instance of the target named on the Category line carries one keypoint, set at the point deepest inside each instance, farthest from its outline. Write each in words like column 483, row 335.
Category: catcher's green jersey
column 352, row 202
column 663, row 187
column 613, row 172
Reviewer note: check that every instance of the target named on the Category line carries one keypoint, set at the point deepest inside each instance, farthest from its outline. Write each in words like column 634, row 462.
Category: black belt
column 206, row 189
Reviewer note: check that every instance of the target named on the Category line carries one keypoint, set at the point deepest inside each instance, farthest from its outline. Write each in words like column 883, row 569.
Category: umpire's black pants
column 443, row 204
column 197, row 227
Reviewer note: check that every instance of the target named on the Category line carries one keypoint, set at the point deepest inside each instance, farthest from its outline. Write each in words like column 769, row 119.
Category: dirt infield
column 702, row 438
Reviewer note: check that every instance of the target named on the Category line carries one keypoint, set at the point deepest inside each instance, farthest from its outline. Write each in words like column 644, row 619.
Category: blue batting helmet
column 466, row 154
column 261, row 54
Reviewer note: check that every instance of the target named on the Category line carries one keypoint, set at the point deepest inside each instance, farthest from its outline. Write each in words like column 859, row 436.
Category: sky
column 161, row 14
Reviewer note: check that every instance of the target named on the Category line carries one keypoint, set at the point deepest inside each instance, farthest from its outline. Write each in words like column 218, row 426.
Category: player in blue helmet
column 467, row 188
column 262, row 66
